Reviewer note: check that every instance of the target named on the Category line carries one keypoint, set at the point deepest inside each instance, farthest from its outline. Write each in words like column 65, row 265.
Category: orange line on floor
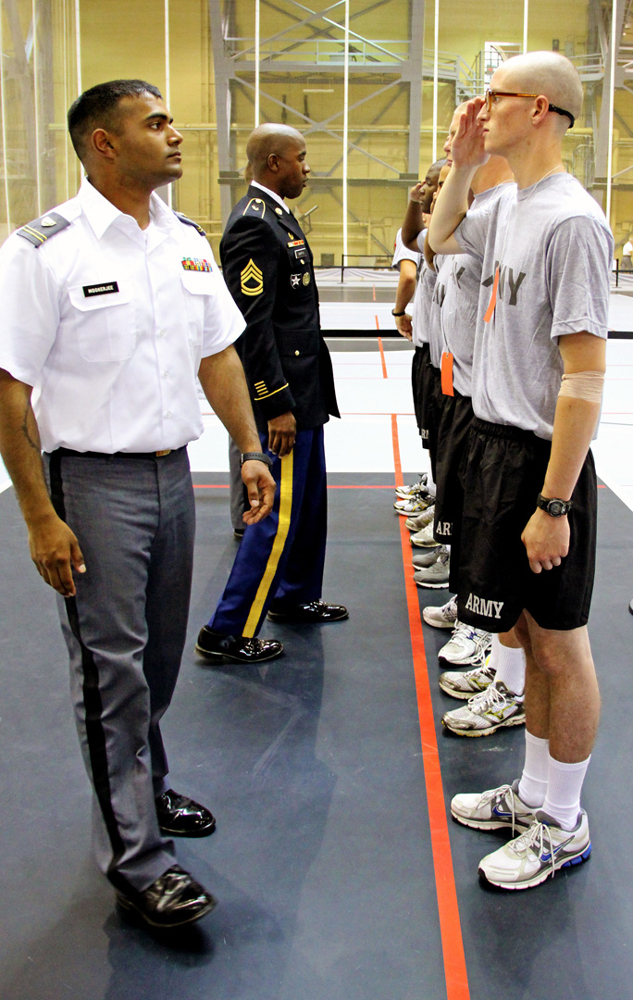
column 382, row 355
column 448, row 910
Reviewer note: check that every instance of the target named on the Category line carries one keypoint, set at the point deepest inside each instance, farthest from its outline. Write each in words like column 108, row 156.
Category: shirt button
column 161, row 333
column 165, row 374
column 168, row 414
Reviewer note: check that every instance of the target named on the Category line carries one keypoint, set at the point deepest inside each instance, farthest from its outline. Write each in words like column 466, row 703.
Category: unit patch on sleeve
column 196, row 264
column 251, row 279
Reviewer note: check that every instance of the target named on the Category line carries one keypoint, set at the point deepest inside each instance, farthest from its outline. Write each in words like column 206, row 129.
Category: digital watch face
column 555, row 508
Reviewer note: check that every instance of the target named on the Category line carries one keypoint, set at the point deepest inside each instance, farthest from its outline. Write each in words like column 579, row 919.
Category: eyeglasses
column 492, row 95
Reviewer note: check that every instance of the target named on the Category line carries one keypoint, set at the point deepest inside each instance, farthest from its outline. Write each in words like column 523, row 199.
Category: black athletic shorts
column 431, row 408
column 502, row 475
column 453, row 430
column 455, row 422
column 420, row 359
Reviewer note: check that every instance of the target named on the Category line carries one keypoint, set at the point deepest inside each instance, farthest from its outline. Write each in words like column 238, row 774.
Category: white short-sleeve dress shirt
column 109, row 323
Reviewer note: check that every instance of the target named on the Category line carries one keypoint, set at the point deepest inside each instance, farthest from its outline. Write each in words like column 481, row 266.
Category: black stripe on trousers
column 93, row 705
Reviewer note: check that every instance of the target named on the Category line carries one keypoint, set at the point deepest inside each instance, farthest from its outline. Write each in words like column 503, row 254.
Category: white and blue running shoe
column 538, row 853
column 493, row 810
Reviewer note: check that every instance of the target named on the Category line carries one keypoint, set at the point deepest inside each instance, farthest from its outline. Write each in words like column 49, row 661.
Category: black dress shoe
column 312, row 613
column 180, row 816
column 217, row 646
column 172, row 900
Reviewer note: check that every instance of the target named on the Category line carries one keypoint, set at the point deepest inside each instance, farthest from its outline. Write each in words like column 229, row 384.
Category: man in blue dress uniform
column 268, row 268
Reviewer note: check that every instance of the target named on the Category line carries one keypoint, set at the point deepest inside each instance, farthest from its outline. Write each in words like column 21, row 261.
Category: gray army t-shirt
column 443, row 267
column 461, row 305
column 553, row 248
column 422, row 301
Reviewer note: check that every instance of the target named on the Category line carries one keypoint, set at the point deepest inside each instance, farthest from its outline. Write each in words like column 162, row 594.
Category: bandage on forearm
column 583, row 385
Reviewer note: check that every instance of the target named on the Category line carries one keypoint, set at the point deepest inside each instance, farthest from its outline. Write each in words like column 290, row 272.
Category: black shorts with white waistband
column 502, row 476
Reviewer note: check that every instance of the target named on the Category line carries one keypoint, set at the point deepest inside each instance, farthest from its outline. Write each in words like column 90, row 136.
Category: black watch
column 256, row 456
column 554, row 506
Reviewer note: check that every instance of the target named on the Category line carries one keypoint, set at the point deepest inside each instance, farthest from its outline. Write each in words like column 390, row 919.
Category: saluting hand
column 467, row 149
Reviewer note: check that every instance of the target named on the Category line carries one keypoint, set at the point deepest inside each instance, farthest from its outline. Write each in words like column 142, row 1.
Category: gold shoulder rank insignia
column 256, row 206
column 41, row 230
column 251, row 279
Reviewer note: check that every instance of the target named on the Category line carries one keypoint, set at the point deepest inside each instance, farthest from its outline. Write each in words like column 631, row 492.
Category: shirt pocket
column 198, row 287
column 106, row 324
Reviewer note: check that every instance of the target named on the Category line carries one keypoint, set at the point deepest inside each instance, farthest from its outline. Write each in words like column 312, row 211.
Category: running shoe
column 493, row 810
column 418, row 521
column 424, row 538
column 492, row 709
column 464, row 684
column 538, row 853
column 414, row 505
column 436, row 575
column 444, row 617
column 467, row 647
column 426, row 557
column 404, row 492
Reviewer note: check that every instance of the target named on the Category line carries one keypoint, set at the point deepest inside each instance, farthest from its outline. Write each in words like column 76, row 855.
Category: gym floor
column 339, row 873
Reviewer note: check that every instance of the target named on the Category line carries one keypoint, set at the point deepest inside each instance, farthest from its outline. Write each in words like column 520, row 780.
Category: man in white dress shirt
column 112, row 305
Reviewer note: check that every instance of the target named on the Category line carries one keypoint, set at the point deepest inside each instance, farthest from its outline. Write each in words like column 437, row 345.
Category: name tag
column 302, row 254
column 106, row 288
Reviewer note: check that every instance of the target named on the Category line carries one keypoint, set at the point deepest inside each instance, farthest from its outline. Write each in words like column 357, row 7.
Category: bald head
column 547, row 73
column 270, row 139
column 277, row 157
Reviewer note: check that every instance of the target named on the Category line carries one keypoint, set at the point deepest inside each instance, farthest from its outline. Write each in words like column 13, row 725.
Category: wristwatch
column 256, row 456
column 554, row 506
column 394, row 313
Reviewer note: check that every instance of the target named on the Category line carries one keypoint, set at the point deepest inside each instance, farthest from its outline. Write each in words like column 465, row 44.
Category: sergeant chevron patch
column 251, row 279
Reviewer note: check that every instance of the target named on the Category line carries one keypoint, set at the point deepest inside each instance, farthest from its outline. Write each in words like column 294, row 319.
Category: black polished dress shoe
column 312, row 613
column 172, row 900
column 217, row 646
column 180, row 816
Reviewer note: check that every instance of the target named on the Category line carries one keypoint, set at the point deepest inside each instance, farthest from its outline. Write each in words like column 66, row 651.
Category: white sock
column 509, row 664
column 562, row 801
column 534, row 780
column 430, row 484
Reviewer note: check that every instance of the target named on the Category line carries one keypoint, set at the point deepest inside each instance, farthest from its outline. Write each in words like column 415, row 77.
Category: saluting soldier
column 268, row 268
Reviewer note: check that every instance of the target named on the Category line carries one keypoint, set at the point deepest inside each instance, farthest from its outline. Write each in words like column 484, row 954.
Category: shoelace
column 497, row 795
column 493, row 697
column 484, row 672
column 537, row 833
